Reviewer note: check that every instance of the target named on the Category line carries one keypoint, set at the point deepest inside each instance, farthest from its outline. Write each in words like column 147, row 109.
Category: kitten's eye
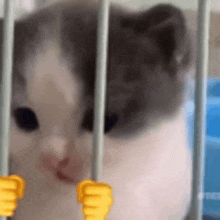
column 26, row 119
column 88, row 122
column 110, row 122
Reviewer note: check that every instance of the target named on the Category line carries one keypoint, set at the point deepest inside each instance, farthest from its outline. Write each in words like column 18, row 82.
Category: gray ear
column 165, row 25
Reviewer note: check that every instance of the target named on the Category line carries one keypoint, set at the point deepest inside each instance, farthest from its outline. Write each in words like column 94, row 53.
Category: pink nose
column 57, row 163
column 64, row 171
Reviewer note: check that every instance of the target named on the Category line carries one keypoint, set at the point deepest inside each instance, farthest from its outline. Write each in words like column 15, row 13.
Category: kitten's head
column 148, row 53
column 55, row 61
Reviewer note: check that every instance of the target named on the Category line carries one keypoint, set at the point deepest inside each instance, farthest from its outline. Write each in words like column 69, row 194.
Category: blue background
column 212, row 160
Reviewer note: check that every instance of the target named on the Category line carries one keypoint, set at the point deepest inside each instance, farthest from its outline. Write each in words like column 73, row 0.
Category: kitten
column 146, row 159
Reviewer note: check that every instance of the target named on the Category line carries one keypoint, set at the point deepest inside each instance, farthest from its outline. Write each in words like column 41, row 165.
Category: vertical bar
column 100, row 89
column 200, row 108
column 6, row 85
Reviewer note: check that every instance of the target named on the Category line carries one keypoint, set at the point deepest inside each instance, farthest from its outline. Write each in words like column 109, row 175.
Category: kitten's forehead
column 51, row 81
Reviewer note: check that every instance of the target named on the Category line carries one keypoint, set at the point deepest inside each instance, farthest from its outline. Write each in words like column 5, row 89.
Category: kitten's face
column 53, row 93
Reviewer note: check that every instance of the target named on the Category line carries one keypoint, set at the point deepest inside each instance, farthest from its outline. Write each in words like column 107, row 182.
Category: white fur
column 150, row 174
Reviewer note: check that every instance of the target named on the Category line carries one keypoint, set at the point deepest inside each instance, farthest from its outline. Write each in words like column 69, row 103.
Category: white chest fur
column 150, row 176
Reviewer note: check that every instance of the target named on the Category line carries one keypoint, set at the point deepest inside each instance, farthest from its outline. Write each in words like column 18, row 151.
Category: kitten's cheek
column 20, row 143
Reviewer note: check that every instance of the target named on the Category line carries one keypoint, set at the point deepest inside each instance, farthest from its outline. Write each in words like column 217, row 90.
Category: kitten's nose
column 64, row 171
column 57, row 163
column 59, row 160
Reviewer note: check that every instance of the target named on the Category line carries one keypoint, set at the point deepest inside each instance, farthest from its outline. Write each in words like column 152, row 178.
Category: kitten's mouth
column 64, row 178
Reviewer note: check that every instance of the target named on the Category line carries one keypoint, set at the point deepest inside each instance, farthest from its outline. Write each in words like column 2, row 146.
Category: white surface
column 19, row 11
column 28, row 4
column 184, row 4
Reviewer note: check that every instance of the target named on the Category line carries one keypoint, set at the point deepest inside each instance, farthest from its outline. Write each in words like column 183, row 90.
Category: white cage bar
column 6, row 85
column 100, row 92
column 200, row 109
column 100, row 89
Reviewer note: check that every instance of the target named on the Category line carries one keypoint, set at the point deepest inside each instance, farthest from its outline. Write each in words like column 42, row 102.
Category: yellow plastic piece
column 11, row 189
column 96, row 198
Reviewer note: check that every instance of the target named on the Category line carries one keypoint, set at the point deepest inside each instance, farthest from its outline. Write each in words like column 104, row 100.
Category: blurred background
column 186, row 4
